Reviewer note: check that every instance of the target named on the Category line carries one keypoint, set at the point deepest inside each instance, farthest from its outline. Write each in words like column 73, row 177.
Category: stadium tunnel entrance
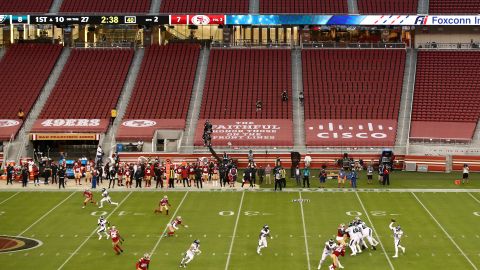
column 69, row 146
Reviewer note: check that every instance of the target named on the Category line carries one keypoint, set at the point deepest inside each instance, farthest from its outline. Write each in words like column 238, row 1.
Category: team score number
column 373, row 213
column 246, row 213
column 110, row 19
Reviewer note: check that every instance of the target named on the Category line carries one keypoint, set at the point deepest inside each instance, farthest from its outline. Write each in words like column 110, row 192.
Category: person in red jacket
column 184, row 173
column 143, row 263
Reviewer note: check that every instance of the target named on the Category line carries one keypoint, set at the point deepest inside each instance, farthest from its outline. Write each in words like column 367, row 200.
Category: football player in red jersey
column 116, row 240
column 164, row 204
column 77, row 170
column 148, row 175
column 173, row 226
column 88, row 198
column 143, row 263
column 339, row 251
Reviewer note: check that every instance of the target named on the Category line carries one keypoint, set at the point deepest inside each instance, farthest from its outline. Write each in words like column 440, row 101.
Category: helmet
column 196, row 241
column 330, row 242
column 357, row 219
column 146, row 256
column 179, row 218
column 398, row 227
column 165, row 197
column 342, row 225
column 103, row 189
column 101, row 217
column 265, row 226
column 113, row 227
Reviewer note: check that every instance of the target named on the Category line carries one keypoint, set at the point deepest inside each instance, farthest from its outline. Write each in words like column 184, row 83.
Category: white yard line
column 234, row 231
column 165, row 230
column 94, row 230
column 9, row 198
column 375, row 231
column 304, row 231
column 475, row 198
column 444, row 231
column 46, row 214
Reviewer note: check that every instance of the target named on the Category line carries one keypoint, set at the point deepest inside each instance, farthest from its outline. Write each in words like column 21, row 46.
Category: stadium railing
column 250, row 44
column 448, row 46
column 352, row 45
column 115, row 44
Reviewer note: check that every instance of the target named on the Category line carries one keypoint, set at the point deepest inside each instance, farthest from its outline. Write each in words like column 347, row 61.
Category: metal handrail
column 448, row 46
column 352, row 45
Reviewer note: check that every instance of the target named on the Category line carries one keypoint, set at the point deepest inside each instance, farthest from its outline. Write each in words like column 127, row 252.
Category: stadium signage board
column 350, row 132
column 70, row 125
column 65, row 137
column 144, row 129
column 9, row 127
column 105, row 19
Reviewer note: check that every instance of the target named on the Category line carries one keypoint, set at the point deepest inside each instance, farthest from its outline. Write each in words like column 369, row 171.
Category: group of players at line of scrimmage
column 355, row 236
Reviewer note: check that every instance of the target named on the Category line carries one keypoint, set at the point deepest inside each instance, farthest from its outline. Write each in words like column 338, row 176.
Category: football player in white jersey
column 328, row 250
column 190, row 254
column 262, row 238
column 355, row 237
column 102, row 227
column 106, row 198
column 397, row 235
column 367, row 232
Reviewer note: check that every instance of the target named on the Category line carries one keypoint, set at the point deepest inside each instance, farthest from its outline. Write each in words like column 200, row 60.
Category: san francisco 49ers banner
column 247, row 132
column 9, row 128
column 350, row 132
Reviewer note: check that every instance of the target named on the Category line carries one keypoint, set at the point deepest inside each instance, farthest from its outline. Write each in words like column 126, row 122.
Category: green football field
column 440, row 229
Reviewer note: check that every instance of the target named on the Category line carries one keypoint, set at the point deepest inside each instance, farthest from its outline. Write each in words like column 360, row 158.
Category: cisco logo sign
column 353, row 132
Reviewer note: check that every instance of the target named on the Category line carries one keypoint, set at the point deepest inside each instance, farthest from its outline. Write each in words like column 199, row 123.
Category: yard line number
column 229, row 213
column 374, row 213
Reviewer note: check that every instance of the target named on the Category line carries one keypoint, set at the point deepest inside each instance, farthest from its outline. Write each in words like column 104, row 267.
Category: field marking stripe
column 445, row 231
column 94, row 230
column 375, row 231
column 234, row 231
column 475, row 198
column 9, row 198
column 46, row 214
column 165, row 230
column 304, row 231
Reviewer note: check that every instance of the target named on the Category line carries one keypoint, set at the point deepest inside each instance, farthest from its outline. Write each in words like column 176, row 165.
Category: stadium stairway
column 352, row 7
column 56, row 4
column 298, row 110
column 2, row 53
column 108, row 141
column 155, row 7
column 19, row 146
column 254, row 6
column 195, row 102
column 404, row 116
column 476, row 136
column 423, row 6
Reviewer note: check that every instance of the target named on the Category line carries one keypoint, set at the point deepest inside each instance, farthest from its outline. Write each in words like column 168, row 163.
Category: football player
column 367, row 232
column 163, row 205
column 143, row 263
column 328, row 250
column 353, row 232
column 116, row 240
column 339, row 251
column 102, row 227
column 190, row 254
column 262, row 238
column 88, row 197
column 106, row 198
column 397, row 235
column 173, row 226
column 341, row 234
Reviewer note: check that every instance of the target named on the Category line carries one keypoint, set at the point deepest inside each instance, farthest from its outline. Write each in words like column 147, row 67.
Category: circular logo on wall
column 8, row 123
column 16, row 243
column 139, row 123
column 200, row 20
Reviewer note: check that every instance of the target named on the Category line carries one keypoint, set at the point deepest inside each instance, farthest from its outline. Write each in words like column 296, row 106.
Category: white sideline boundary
column 375, row 231
column 46, row 214
column 4, row 201
column 445, row 231
column 234, row 231
column 475, row 198
column 305, row 232
column 90, row 236
column 165, row 230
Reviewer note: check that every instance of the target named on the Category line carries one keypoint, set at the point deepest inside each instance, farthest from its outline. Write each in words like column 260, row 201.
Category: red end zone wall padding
column 9, row 127
column 71, row 125
column 434, row 163
column 472, row 161
column 350, row 132
column 144, row 129
column 247, row 132
column 442, row 130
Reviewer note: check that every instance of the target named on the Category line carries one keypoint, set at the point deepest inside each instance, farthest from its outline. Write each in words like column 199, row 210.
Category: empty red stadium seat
column 90, row 84
column 24, row 70
column 303, row 6
column 134, row 6
column 387, row 6
column 28, row 6
column 454, row 6
column 201, row 6
column 237, row 78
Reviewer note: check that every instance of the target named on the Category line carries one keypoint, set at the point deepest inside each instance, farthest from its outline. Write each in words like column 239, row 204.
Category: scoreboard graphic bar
column 107, row 19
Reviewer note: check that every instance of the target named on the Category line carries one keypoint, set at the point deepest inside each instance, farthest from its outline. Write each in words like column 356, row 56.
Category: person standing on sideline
column 261, row 174
column 298, row 175
column 306, row 177
column 386, row 176
column 198, row 176
column 353, row 178
column 54, row 173
column 10, row 174
column 369, row 174
column 323, row 177
column 253, row 179
column 268, row 171
column 283, row 174
column 466, row 171
column 25, row 175
column 342, row 175
column 138, row 177
column 61, row 177
column 278, row 178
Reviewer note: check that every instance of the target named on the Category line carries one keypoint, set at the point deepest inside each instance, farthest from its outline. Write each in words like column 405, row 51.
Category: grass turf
column 69, row 239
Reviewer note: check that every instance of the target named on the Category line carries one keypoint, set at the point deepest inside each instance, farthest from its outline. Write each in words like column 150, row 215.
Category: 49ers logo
column 16, row 243
column 200, row 20
column 8, row 123
column 139, row 123
column 71, row 123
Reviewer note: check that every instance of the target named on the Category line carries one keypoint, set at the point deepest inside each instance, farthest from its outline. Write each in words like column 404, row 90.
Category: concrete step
column 155, row 7
column 352, row 7
column 254, row 6
column 298, row 109
column 55, row 8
